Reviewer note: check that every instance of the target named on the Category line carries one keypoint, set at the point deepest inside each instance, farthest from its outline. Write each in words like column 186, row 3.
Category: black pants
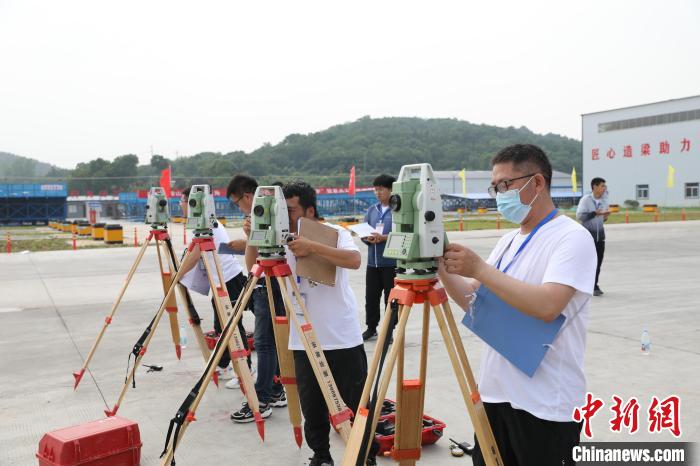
column 377, row 280
column 525, row 440
column 600, row 251
column 349, row 369
column 234, row 287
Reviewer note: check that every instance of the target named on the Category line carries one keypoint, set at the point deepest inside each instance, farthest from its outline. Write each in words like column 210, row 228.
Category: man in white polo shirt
column 235, row 282
column 333, row 312
column 544, row 269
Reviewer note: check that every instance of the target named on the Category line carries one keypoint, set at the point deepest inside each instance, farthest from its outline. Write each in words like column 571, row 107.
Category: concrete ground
column 53, row 303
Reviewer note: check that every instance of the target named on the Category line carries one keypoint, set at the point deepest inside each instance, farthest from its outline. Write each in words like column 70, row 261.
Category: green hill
column 324, row 158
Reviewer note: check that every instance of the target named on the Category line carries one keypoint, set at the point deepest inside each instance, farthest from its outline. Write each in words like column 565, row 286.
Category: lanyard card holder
column 521, row 339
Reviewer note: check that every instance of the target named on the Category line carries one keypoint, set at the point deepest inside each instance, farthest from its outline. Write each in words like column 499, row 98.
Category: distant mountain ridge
column 372, row 145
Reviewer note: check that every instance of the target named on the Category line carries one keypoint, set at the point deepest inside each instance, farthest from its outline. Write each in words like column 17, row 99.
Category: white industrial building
column 640, row 151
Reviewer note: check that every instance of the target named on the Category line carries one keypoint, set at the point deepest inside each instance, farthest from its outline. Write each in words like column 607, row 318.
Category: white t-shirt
column 196, row 279
column 562, row 251
column 331, row 309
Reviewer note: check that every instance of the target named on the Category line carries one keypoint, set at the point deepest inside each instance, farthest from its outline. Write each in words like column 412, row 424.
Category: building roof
column 642, row 105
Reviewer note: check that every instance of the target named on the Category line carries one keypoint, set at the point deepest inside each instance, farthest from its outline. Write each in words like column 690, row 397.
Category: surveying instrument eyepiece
column 269, row 222
column 201, row 214
column 418, row 235
column 157, row 211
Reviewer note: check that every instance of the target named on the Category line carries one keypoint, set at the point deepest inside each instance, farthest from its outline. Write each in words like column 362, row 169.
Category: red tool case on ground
column 113, row 441
column 212, row 337
column 429, row 435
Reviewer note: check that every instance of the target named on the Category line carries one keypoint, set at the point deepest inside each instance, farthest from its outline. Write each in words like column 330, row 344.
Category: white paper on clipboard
column 363, row 230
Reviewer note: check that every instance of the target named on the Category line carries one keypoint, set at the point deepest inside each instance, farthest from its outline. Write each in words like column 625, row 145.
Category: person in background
column 380, row 270
column 241, row 192
column 592, row 212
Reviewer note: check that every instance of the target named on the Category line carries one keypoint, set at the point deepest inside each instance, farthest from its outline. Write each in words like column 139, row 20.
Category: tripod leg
column 359, row 428
column 187, row 301
column 147, row 340
column 108, row 320
column 475, row 407
column 285, row 358
column 339, row 411
column 409, row 406
column 239, row 355
column 200, row 388
column 171, row 308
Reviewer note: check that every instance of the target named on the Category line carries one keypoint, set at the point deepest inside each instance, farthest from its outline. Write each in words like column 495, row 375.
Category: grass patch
column 55, row 244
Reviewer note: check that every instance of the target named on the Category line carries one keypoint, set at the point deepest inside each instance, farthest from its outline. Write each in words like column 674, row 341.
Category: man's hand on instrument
column 238, row 244
column 462, row 261
column 246, row 225
column 301, row 246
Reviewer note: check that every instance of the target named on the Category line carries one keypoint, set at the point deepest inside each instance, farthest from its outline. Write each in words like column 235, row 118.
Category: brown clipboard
column 315, row 268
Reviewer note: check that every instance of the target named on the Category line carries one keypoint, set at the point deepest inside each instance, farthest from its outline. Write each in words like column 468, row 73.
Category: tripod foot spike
column 260, row 424
column 178, row 352
column 298, row 436
column 113, row 412
column 78, row 376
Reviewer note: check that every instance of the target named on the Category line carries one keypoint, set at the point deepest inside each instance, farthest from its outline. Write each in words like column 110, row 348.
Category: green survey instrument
column 157, row 212
column 201, row 214
column 269, row 222
column 418, row 235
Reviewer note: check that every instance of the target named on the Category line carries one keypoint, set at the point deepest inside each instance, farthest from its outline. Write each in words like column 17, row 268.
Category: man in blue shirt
column 380, row 271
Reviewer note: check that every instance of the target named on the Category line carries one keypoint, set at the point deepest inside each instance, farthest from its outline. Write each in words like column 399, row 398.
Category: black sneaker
column 279, row 401
column 369, row 334
column 597, row 292
column 245, row 414
column 321, row 460
column 371, row 461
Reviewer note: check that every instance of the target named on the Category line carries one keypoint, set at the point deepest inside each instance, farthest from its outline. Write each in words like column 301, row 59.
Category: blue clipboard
column 521, row 339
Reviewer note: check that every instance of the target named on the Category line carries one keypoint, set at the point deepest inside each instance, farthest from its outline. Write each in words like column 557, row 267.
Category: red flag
column 351, row 184
column 165, row 181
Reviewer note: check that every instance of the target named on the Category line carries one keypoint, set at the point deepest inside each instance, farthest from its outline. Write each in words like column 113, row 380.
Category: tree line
column 372, row 145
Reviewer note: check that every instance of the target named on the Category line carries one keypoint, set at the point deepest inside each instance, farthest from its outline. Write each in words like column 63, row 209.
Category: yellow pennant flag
column 463, row 176
column 574, row 184
column 671, row 177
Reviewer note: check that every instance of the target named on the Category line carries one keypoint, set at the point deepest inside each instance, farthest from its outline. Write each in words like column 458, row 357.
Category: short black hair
column 305, row 193
column 240, row 185
column 525, row 154
column 186, row 191
column 384, row 181
column 278, row 183
column 596, row 181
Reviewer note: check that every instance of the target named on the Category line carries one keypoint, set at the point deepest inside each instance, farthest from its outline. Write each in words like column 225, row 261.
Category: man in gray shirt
column 592, row 211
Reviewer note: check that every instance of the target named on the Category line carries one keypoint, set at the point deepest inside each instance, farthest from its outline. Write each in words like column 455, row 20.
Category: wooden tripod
column 170, row 302
column 340, row 414
column 230, row 340
column 410, row 394
column 160, row 235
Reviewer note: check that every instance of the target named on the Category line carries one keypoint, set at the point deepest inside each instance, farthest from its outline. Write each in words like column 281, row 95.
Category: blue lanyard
column 527, row 240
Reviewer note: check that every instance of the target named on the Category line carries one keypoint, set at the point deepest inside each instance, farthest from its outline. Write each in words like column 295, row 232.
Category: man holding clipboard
column 529, row 302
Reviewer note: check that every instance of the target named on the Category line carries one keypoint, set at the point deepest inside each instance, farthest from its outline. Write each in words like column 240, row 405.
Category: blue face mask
column 511, row 207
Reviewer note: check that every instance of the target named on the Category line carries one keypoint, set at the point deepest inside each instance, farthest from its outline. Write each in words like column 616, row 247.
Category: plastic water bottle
column 183, row 336
column 646, row 342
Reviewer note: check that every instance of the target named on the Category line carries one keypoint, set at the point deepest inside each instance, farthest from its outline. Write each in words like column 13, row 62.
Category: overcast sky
column 82, row 79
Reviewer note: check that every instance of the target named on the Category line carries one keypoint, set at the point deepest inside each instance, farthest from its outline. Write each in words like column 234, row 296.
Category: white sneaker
column 227, row 373
column 235, row 384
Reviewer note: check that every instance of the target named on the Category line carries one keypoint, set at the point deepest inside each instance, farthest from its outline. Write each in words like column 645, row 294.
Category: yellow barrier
column 114, row 234
column 98, row 231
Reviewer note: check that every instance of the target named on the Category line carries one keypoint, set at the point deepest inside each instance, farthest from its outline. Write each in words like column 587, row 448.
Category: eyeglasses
column 236, row 201
column 503, row 186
